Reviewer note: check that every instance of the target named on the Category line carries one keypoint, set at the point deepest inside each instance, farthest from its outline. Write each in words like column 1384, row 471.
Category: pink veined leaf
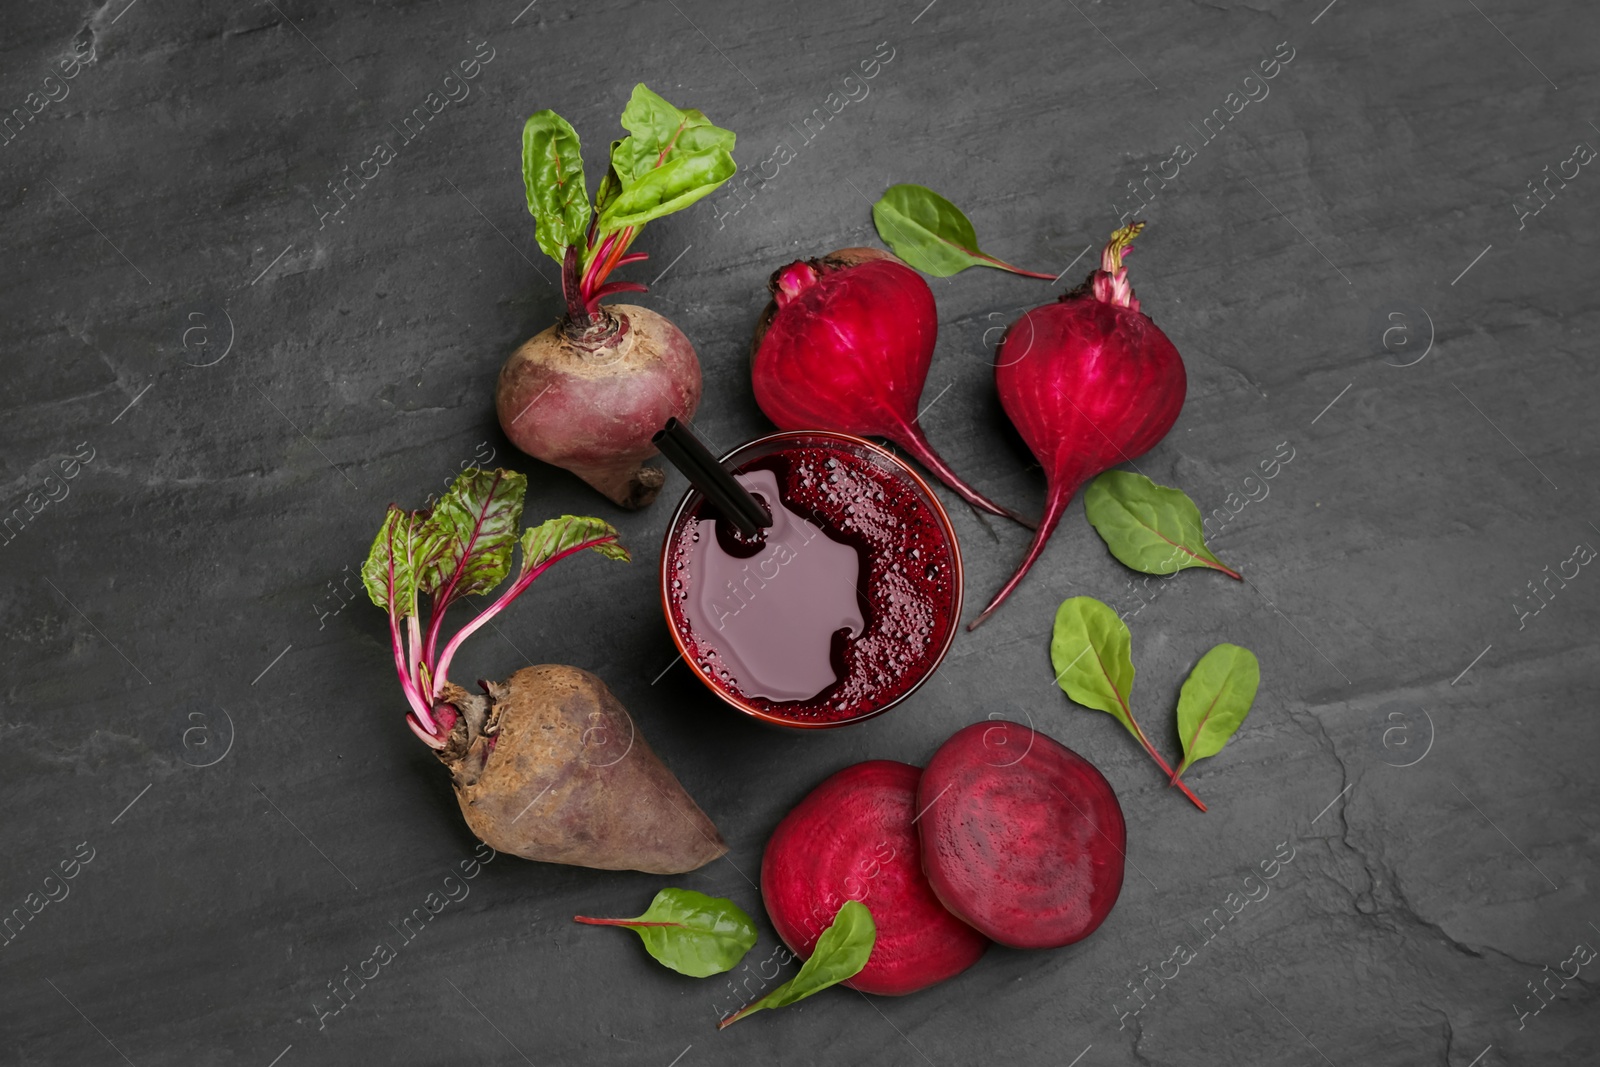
column 390, row 577
column 462, row 547
column 543, row 546
column 467, row 541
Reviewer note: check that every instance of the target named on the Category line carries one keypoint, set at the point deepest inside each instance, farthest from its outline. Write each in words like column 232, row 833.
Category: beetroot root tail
column 1047, row 525
column 913, row 441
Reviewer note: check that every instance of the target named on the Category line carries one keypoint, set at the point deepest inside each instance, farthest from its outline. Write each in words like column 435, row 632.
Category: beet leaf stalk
column 670, row 159
column 1092, row 652
column 459, row 548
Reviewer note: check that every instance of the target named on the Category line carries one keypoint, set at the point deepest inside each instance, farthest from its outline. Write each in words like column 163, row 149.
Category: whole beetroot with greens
column 588, row 393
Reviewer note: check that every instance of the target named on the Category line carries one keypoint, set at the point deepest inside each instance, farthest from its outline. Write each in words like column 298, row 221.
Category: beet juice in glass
column 838, row 610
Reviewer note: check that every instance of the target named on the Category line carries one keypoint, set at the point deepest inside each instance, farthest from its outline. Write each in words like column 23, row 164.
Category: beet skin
column 551, row 768
column 590, row 399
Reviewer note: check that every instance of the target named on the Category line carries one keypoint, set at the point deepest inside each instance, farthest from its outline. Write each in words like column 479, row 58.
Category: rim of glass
column 894, row 463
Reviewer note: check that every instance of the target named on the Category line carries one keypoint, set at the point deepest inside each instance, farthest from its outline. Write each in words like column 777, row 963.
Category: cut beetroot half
column 853, row 838
column 1021, row 837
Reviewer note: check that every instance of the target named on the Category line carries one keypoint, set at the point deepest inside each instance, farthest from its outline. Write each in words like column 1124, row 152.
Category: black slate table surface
column 201, row 720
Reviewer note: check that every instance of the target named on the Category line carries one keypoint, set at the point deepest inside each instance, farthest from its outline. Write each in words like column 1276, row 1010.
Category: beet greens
column 670, row 159
column 461, row 547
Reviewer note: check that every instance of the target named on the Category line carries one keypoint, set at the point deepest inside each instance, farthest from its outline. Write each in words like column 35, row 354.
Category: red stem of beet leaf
column 992, row 261
column 1003, row 265
column 584, row 288
column 728, row 1020
column 572, row 290
column 1145, row 741
column 1215, row 565
column 501, row 604
column 1166, row 768
column 617, row 922
column 423, row 670
column 914, row 441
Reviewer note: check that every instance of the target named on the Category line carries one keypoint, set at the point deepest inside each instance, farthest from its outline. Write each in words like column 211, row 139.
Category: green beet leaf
column 690, row 932
column 931, row 233
column 672, row 186
column 670, row 159
column 1091, row 651
column 659, row 132
column 552, row 171
column 390, row 572
column 542, row 544
column 461, row 547
column 1215, row 699
column 1151, row 528
column 468, row 539
column 841, row 952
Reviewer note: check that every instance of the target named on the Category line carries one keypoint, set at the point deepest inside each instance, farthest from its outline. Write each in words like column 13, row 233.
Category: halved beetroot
column 1021, row 837
column 853, row 838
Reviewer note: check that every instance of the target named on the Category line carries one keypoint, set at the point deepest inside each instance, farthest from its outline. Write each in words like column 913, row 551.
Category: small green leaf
column 467, row 541
column 1152, row 528
column 931, row 233
column 542, row 543
column 841, row 952
column 690, row 932
column 552, row 171
column 1091, row 651
column 1215, row 699
column 390, row 572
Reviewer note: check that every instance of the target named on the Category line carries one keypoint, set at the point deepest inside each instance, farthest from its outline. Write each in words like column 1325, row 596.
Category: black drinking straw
column 689, row 454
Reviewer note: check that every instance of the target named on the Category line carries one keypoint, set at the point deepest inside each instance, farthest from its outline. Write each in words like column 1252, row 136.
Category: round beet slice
column 853, row 838
column 1021, row 837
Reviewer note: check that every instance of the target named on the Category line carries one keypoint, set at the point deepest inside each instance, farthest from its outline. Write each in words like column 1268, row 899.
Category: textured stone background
column 187, row 694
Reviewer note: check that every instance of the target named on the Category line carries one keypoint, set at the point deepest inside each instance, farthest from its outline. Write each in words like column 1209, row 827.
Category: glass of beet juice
column 837, row 611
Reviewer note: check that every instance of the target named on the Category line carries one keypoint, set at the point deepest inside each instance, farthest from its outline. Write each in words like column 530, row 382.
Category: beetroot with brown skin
column 854, row 838
column 1021, row 837
column 845, row 345
column 589, row 398
column 548, row 766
